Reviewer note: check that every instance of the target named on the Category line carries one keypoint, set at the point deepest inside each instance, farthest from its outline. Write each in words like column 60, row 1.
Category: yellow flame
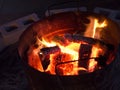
column 92, row 62
column 94, row 28
column 48, row 44
column 71, row 49
column 98, row 25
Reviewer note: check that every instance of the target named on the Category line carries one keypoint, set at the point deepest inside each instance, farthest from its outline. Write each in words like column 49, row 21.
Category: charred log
column 85, row 51
column 78, row 38
column 84, row 55
column 49, row 50
column 44, row 55
column 45, row 61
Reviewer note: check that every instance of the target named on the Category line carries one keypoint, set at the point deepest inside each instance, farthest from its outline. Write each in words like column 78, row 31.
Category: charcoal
column 49, row 50
column 84, row 55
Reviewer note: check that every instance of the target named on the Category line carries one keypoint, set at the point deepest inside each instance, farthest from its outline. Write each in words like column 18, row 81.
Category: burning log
column 84, row 55
column 78, row 38
column 85, row 51
column 64, row 68
column 49, row 50
column 87, row 61
column 64, row 64
column 45, row 55
column 45, row 61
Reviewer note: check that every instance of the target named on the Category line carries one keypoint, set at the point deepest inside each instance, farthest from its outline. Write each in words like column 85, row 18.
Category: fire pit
column 68, row 49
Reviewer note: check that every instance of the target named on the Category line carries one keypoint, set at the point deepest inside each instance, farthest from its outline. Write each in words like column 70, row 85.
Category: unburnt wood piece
column 84, row 55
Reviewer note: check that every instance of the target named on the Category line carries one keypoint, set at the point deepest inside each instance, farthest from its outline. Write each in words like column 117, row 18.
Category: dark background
column 13, row 9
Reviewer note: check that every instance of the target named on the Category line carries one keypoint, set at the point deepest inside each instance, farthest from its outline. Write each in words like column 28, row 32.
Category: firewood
column 78, row 38
column 49, row 50
column 45, row 60
column 84, row 55
column 92, row 41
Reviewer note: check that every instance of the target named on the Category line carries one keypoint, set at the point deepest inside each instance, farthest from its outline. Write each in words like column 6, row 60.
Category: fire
column 66, row 59
column 94, row 28
column 71, row 49
column 98, row 25
column 68, row 53
column 95, row 50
